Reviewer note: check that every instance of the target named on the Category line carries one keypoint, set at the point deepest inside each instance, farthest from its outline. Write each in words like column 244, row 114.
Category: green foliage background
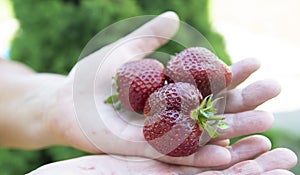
column 53, row 33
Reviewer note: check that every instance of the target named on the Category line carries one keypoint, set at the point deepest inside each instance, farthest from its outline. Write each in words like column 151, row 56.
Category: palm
column 121, row 132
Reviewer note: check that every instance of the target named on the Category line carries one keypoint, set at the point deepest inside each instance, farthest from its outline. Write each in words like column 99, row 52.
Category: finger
column 250, row 97
column 280, row 158
column 139, row 43
column 245, row 123
column 273, row 172
column 209, row 155
column 224, row 142
column 213, row 155
column 278, row 172
column 152, row 35
column 244, row 149
column 242, row 70
column 277, row 159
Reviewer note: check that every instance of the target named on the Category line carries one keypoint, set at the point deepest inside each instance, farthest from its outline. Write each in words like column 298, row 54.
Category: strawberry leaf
column 206, row 112
column 112, row 99
column 212, row 132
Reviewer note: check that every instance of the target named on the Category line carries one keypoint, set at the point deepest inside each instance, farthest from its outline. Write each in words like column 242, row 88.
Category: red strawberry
column 172, row 133
column 181, row 116
column 201, row 68
column 182, row 97
column 136, row 80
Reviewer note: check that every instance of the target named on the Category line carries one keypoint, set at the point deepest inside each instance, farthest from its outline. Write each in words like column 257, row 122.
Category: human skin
column 270, row 163
column 45, row 102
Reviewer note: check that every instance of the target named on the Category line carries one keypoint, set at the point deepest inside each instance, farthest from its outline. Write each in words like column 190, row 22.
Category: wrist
column 35, row 110
column 22, row 120
column 61, row 116
column 52, row 110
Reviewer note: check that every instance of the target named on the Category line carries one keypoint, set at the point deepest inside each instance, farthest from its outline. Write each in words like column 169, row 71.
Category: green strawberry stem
column 216, row 118
column 206, row 112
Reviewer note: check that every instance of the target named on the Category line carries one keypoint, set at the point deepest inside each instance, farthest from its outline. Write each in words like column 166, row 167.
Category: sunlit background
column 268, row 30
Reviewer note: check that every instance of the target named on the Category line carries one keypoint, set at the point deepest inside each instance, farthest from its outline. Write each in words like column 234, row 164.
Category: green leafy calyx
column 205, row 113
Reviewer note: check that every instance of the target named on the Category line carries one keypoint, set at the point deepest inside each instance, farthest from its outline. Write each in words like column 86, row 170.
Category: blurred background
column 49, row 36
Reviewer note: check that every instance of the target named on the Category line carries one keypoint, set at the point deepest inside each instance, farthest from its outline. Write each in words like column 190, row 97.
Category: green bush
column 14, row 161
column 53, row 33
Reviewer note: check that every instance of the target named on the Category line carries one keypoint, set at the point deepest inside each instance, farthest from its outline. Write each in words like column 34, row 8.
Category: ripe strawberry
column 180, row 117
column 136, row 80
column 172, row 133
column 201, row 68
column 179, row 96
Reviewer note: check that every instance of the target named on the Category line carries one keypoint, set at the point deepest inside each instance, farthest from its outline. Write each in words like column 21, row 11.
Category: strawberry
column 200, row 67
column 175, row 96
column 172, row 133
column 136, row 80
column 180, row 117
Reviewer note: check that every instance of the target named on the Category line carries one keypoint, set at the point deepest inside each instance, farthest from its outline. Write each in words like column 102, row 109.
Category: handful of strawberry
column 178, row 101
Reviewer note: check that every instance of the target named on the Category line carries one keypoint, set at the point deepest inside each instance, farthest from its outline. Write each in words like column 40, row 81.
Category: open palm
column 82, row 120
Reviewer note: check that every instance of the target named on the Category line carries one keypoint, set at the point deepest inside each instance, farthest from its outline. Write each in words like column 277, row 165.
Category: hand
column 270, row 163
column 53, row 104
column 107, row 131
